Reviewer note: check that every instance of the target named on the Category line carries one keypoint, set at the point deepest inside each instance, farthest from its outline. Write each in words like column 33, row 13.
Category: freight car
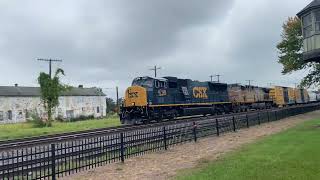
column 169, row 97
column 286, row 96
column 314, row 96
column 244, row 98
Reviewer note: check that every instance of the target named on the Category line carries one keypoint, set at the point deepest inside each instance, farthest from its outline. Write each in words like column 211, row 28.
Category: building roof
column 21, row 91
column 314, row 4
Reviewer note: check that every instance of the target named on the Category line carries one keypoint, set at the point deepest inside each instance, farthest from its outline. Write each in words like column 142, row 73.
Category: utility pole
column 249, row 81
column 211, row 77
column 50, row 63
column 117, row 91
column 218, row 76
column 155, row 70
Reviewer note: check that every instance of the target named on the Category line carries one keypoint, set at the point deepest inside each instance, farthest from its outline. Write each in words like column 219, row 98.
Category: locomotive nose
column 135, row 96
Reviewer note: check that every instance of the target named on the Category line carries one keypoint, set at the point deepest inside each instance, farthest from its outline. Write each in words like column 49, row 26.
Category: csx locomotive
column 153, row 99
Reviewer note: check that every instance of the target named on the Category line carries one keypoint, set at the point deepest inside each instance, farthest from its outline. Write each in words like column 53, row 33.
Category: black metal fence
column 57, row 160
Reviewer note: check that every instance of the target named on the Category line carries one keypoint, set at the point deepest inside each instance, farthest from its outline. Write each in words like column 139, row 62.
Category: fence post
column 165, row 138
column 259, row 118
column 247, row 118
column 122, row 147
column 234, row 124
column 53, row 162
column 195, row 131
column 276, row 115
column 268, row 116
column 217, row 127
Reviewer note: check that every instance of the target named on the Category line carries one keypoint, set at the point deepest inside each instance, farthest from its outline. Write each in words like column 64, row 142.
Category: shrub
column 82, row 118
column 37, row 122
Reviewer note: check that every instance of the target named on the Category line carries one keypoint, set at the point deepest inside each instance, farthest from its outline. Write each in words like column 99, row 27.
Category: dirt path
column 164, row 165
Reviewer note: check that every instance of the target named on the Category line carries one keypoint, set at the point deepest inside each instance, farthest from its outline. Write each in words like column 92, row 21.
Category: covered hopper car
column 249, row 97
column 286, row 96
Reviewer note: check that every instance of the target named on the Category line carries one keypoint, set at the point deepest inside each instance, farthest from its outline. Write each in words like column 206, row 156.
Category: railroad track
column 57, row 138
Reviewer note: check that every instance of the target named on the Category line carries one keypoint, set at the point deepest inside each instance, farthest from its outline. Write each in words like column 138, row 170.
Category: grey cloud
column 108, row 43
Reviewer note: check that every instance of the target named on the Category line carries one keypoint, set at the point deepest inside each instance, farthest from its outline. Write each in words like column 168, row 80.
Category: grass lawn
column 293, row 154
column 22, row 130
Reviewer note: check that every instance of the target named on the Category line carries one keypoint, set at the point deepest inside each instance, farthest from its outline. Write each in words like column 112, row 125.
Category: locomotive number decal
column 132, row 94
column 162, row 92
column 200, row 92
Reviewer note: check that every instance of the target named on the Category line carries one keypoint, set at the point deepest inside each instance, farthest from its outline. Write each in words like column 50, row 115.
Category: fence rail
column 62, row 159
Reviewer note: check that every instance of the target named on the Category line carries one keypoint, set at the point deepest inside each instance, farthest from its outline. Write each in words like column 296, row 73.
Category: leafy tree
column 51, row 89
column 111, row 105
column 290, row 53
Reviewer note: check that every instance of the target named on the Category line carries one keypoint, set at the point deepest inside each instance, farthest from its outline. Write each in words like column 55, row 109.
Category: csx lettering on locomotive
column 132, row 94
column 200, row 92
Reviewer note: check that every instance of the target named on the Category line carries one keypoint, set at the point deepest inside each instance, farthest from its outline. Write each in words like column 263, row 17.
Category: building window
column 317, row 19
column 1, row 116
column 83, row 109
column 307, row 25
column 10, row 115
column 98, row 109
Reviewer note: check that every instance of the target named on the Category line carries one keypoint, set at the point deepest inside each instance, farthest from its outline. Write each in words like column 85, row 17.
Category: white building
column 18, row 103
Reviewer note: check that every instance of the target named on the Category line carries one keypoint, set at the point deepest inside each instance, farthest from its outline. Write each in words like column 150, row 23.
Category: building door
column 70, row 114
column 10, row 115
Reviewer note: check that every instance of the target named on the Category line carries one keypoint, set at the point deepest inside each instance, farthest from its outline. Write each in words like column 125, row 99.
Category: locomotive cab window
column 144, row 82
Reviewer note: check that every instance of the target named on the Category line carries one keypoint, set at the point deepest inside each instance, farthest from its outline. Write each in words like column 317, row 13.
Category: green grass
column 293, row 154
column 23, row 130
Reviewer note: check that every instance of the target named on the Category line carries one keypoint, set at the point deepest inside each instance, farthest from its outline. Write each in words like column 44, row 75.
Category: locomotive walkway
column 54, row 160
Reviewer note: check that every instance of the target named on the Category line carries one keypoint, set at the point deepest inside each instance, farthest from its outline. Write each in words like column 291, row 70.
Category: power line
column 50, row 63
column 155, row 70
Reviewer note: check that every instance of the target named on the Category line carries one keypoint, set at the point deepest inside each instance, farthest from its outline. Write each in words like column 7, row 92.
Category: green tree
column 51, row 89
column 111, row 105
column 290, row 53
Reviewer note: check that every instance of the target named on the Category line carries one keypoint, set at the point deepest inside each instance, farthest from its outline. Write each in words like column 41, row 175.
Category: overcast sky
column 106, row 43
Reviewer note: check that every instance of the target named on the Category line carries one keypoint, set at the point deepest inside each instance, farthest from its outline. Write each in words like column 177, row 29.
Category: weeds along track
column 64, row 137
